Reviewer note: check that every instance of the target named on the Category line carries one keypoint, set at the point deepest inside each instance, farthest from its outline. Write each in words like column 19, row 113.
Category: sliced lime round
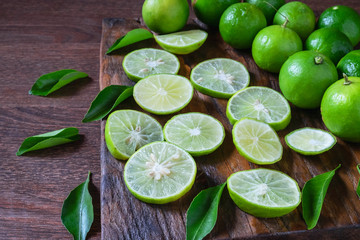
column 128, row 130
column 310, row 141
column 184, row 42
column 163, row 93
column 261, row 103
column 220, row 77
column 257, row 141
column 148, row 61
column 263, row 192
column 160, row 172
column 199, row 134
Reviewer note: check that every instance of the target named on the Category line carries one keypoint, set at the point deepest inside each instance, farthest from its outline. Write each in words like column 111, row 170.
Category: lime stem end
column 318, row 60
column 346, row 79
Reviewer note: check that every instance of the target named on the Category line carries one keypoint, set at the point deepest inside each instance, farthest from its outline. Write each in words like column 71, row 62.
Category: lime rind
column 148, row 61
column 197, row 133
column 310, row 141
column 159, row 173
column 220, row 77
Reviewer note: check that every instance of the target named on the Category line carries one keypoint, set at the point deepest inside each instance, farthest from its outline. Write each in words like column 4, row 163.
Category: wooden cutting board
column 125, row 217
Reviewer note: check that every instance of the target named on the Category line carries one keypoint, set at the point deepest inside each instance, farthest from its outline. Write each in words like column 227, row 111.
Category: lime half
column 128, row 130
column 257, row 141
column 263, row 192
column 197, row 133
column 261, row 103
column 220, row 77
column 159, row 173
column 184, row 42
column 310, row 141
column 163, row 93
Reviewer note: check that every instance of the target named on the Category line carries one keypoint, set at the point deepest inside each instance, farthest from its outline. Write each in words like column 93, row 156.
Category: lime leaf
column 134, row 36
column 49, row 139
column 77, row 213
column 51, row 82
column 106, row 101
column 358, row 187
column 202, row 213
column 313, row 195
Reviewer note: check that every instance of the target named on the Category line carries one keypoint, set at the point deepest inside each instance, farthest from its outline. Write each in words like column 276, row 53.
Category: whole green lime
column 273, row 45
column 340, row 108
column 305, row 76
column 301, row 18
column 240, row 23
column 210, row 11
column 350, row 64
column 330, row 42
column 165, row 16
column 343, row 18
column 268, row 7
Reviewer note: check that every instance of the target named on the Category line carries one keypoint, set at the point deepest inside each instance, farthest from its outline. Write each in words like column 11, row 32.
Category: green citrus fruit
column 340, row 108
column 165, row 16
column 240, row 23
column 343, row 18
column 330, row 42
column 305, row 76
column 210, row 11
column 301, row 18
column 273, row 45
column 268, row 7
column 350, row 64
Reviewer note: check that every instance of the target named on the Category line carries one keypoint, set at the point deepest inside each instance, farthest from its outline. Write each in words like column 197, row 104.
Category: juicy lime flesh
column 257, row 141
column 159, row 173
column 129, row 130
column 350, row 64
column 268, row 8
column 163, row 93
column 148, row 61
column 197, row 133
column 220, row 77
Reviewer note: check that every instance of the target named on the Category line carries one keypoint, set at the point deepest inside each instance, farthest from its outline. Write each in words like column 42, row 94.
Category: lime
column 219, row 77
column 350, row 64
column 273, row 45
column 263, row 192
column 240, row 23
column 209, row 11
column 197, row 133
column 305, row 76
column 268, row 7
column 184, row 42
column 163, row 93
column 148, row 61
column 343, row 18
column 310, row 141
column 165, row 16
column 340, row 108
column 261, row 103
column 128, row 130
column 257, row 141
column 301, row 18
column 160, row 172
column 329, row 42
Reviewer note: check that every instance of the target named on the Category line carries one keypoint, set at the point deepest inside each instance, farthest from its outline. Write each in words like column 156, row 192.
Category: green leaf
column 358, row 187
column 131, row 37
column 49, row 139
column 77, row 213
column 313, row 195
column 106, row 101
column 51, row 82
column 202, row 213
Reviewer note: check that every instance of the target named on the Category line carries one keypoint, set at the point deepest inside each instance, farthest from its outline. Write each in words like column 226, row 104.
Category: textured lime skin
column 343, row 18
column 266, row 7
column 340, row 109
column 240, row 23
column 330, row 42
column 301, row 18
column 350, row 64
column 210, row 11
column 305, row 76
column 165, row 16
column 273, row 45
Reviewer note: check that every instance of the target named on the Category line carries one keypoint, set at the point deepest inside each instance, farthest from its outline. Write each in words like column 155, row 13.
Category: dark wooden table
column 37, row 37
